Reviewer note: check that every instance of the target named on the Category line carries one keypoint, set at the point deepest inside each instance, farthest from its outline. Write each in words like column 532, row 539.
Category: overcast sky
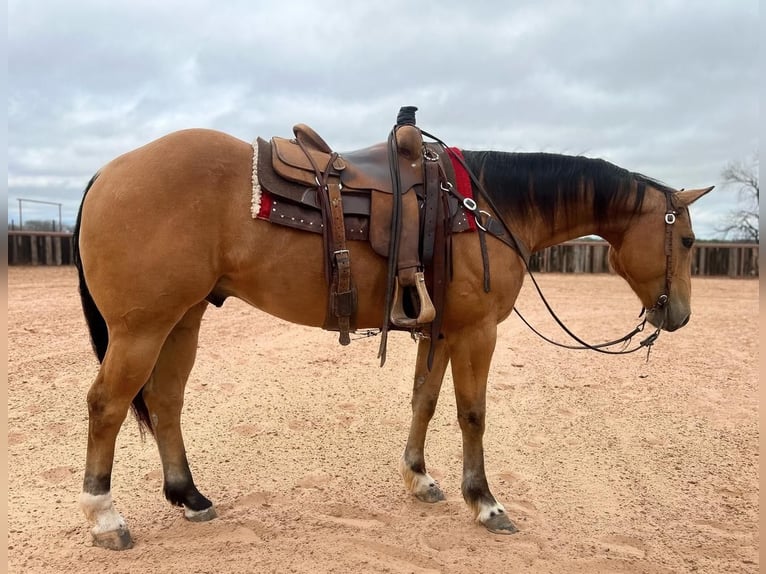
column 666, row 88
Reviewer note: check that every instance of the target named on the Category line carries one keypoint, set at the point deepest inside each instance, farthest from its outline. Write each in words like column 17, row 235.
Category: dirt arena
column 607, row 464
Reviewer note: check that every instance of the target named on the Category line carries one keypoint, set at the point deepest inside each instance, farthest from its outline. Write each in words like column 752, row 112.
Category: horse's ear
column 688, row 196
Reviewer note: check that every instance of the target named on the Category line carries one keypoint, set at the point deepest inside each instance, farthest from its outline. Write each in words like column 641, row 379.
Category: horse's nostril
column 685, row 321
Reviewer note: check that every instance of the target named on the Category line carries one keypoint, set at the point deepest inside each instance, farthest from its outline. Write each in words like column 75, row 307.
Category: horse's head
column 654, row 256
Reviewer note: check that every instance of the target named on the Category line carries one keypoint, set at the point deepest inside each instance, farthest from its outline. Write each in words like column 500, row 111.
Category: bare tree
column 742, row 223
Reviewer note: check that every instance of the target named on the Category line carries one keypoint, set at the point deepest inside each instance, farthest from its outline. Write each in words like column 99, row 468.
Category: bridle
column 670, row 218
column 661, row 304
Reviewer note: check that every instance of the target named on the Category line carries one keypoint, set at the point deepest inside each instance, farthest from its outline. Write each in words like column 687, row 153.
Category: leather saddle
column 388, row 194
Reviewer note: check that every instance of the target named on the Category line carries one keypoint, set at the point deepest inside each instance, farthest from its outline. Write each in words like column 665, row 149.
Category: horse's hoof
column 500, row 524
column 432, row 494
column 200, row 515
column 119, row 539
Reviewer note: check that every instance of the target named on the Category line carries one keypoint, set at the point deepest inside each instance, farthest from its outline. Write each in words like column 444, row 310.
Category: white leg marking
column 100, row 512
column 415, row 482
column 487, row 511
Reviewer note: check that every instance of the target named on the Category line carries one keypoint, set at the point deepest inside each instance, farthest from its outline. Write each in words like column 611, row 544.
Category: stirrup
column 427, row 312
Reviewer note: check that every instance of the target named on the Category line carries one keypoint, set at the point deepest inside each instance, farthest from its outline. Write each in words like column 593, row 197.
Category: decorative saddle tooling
column 395, row 194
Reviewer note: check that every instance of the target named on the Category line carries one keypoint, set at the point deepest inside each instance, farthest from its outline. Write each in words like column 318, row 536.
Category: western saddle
column 392, row 194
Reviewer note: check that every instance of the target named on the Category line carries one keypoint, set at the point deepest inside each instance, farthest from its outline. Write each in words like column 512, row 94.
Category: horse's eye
column 687, row 242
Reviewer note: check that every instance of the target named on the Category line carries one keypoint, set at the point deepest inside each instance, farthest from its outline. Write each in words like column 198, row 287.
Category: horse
column 167, row 228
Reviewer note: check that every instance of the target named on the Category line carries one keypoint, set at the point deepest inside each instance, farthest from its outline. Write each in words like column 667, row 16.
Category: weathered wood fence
column 708, row 258
column 39, row 248
column 578, row 256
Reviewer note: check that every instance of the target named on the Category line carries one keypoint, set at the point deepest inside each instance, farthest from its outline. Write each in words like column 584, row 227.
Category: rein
column 486, row 223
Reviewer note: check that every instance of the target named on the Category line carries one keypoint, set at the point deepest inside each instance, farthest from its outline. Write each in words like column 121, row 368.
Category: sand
column 606, row 464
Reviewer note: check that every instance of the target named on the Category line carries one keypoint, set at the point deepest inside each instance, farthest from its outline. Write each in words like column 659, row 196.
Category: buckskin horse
column 182, row 222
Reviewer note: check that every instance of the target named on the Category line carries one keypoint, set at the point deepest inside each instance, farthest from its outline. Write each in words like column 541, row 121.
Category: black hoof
column 433, row 494
column 119, row 539
column 200, row 515
column 500, row 524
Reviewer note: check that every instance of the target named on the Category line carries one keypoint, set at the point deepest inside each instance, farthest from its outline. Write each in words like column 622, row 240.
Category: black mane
column 550, row 183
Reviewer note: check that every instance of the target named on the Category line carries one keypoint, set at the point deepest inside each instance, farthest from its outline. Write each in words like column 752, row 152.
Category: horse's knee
column 472, row 420
column 425, row 406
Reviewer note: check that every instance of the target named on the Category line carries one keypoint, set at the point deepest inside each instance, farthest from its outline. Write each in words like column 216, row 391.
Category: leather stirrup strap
column 344, row 303
column 430, row 209
column 393, row 155
column 338, row 260
column 439, row 269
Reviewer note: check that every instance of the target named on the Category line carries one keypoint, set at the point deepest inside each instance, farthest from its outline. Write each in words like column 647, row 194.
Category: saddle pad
column 462, row 181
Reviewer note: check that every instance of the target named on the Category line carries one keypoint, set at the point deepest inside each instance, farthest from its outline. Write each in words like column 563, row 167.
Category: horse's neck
column 537, row 234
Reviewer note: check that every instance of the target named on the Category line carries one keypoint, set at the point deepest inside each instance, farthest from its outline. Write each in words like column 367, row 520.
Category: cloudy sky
column 666, row 88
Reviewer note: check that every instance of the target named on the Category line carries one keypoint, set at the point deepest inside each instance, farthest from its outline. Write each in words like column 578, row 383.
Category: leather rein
column 487, row 224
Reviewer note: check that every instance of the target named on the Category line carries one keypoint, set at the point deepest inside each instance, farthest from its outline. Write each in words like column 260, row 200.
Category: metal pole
column 21, row 221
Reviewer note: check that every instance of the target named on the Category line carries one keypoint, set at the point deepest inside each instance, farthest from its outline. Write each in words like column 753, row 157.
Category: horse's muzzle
column 682, row 323
column 668, row 320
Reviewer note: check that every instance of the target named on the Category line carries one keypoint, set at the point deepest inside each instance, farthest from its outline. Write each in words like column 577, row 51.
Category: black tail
column 99, row 333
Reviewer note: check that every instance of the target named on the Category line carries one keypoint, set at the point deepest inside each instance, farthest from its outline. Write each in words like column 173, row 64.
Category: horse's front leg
column 471, row 353
column 425, row 394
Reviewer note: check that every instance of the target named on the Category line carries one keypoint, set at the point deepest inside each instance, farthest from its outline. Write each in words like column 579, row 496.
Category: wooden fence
column 578, row 256
column 708, row 258
column 40, row 248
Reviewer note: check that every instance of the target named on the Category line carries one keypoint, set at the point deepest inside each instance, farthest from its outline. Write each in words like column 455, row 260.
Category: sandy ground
column 607, row 464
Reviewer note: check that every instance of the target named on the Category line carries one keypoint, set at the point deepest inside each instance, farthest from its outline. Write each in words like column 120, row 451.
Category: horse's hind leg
column 471, row 353
column 425, row 394
column 163, row 396
column 126, row 367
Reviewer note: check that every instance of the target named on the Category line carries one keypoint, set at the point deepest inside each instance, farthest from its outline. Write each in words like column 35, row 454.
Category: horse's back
column 193, row 156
